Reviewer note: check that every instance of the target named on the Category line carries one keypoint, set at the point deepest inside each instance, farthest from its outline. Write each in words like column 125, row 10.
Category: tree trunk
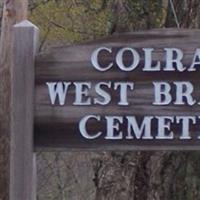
column 149, row 175
column 14, row 11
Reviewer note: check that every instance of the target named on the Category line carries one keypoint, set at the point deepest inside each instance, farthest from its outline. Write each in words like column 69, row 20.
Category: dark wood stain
column 56, row 127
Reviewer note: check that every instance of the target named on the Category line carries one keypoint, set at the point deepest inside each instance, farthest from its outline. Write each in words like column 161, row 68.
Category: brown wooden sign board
column 135, row 91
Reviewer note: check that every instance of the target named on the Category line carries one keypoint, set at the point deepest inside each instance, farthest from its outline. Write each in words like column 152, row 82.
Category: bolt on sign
column 135, row 91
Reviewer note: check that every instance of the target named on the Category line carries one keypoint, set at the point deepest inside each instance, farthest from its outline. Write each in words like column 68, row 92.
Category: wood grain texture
column 13, row 11
column 56, row 127
column 22, row 172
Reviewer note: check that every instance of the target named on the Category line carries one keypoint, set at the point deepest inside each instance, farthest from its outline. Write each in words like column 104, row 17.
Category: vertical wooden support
column 22, row 160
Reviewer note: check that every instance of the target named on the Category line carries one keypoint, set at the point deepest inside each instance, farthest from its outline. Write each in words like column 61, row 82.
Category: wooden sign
column 136, row 91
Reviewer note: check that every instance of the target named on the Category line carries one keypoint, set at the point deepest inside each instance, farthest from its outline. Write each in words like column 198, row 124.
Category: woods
column 98, row 175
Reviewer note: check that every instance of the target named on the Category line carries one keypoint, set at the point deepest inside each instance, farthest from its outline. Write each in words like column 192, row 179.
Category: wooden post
column 22, row 158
